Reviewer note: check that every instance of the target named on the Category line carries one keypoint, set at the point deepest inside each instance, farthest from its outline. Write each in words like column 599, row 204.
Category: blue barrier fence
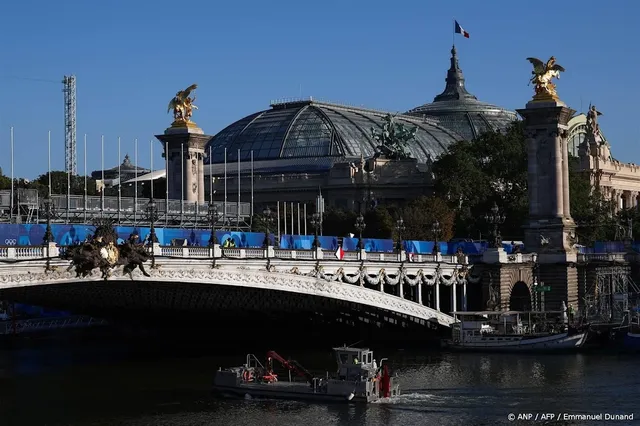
column 32, row 234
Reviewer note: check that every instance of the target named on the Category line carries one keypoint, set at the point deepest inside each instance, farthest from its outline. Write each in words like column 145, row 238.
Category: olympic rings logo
column 10, row 242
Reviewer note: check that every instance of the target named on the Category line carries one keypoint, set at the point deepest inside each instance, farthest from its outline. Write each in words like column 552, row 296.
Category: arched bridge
column 228, row 282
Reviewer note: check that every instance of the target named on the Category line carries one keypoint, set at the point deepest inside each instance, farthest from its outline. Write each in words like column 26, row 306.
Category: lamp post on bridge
column 213, row 220
column 436, row 231
column 316, row 222
column 360, row 226
column 152, row 217
column 268, row 220
column 49, row 211
column 400, row 228
column 495, row 218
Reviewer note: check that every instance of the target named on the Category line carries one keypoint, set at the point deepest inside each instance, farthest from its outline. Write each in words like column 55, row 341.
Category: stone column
column 558, row 175
column 419, row 292
column 532, row 175
column 464, row 296
column 201, row 187
column 565, row 176
column 437, row 293
column 454, row 299
column 191, row 141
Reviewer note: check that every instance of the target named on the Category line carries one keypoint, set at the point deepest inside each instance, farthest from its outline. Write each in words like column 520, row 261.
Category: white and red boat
column 513, row 331
column 358, row 379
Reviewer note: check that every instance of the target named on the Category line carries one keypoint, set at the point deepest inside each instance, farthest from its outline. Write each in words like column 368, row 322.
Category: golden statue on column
column 542, row 76
column 183, row 105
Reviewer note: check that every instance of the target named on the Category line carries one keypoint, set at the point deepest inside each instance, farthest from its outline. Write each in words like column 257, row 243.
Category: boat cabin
column 354, row 362
column 486, row 324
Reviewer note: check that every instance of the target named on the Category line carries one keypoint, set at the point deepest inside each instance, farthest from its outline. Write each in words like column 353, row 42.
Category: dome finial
column 455, row 89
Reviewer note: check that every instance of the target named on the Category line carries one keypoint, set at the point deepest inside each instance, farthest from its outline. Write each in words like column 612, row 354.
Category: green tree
column 380, row 223
column 420, row 215
column 337, row 222
column 473, row 175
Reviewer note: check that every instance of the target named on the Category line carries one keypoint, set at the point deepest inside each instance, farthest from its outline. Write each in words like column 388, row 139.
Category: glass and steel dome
column 460, row 111
column 307, row 135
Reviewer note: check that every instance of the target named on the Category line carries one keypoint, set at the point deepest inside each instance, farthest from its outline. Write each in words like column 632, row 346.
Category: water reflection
column 112, row 385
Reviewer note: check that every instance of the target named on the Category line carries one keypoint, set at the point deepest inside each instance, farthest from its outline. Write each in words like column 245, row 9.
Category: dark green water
column 120, row 384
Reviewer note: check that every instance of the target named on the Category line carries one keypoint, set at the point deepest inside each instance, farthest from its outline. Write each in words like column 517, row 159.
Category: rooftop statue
column 542, row 75
column 393, row 139
column 182, row 106
column 592, row 119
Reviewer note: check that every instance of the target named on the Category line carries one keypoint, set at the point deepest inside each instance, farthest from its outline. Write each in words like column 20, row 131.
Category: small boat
column 358, row 379
column 492, row 331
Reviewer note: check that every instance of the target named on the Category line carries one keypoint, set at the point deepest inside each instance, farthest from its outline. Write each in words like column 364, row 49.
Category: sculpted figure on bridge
column 101, row 252
column 542, row 76
column 182, row 106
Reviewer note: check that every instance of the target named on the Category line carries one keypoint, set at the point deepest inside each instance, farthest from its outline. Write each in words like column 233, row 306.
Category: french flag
column 460, row 30
column 340, row 253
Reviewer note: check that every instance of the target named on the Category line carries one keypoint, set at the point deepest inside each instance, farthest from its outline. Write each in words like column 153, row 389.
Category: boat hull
column 289, row 391
column 553, row 343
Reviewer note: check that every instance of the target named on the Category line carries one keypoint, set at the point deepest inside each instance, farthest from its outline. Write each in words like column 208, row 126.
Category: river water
column 114, row 384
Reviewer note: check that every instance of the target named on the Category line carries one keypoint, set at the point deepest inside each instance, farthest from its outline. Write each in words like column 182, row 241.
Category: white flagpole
column 102, row 167
column 151, row 153
column 284, row 216
column 251, row 183
column 278, row 214
column 119, row 183
column 12, row 184
column 210, row 176
column 181, row 182
column 238, row 207
column 299, row 231
column 304, row 206
column 293, row 231
column 166, row 179
column 49, row 163
column 224, row 215
column 135, row 189
column 85, row 178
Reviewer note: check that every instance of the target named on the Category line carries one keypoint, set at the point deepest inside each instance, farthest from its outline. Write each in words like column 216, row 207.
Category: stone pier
column 551, row 230
column 184, row 147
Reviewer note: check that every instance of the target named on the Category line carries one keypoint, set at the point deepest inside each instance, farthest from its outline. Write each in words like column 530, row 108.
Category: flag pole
column 224, row 215
column 135, row 189
column 210, row 176
column 102, row 169
column 151, row 155
column 85, row 178
column 252, row 184
column 238, row 207
column 12, row 184
column 49, row 165
column 119, row 183
column 181, row 183
column 278, row 213
column 453, row 35
column 166, row 181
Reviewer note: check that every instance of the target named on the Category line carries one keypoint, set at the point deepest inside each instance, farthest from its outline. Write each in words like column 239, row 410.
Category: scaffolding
column 611, row 294
column 70, row 150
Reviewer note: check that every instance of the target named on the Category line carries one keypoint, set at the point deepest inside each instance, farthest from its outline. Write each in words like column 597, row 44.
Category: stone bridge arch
column 516, row 286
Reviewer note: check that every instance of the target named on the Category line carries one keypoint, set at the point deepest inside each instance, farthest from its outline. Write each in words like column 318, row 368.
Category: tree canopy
column 472, row 175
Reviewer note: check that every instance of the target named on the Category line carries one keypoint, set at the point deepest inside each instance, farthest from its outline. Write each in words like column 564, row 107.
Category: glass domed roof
column 307, row 134
column 458, row 110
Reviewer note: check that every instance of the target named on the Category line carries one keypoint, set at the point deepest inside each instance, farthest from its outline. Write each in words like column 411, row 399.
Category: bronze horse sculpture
column 102, row 252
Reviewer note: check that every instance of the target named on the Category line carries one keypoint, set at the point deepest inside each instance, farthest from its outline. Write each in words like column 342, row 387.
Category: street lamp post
column 360, row 226
column 268, row 219
column 213, row 220
column 400, row 228
column 48, row 235
column 152, row 216
column 436, row 231
column 495, row 218
column 316, row 222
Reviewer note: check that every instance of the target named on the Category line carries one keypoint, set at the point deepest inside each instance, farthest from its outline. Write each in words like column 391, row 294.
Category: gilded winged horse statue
column 542, row 75
column 182, row 105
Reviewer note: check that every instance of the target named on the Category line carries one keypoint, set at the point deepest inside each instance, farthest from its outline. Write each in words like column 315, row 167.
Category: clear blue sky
column 131, row 57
